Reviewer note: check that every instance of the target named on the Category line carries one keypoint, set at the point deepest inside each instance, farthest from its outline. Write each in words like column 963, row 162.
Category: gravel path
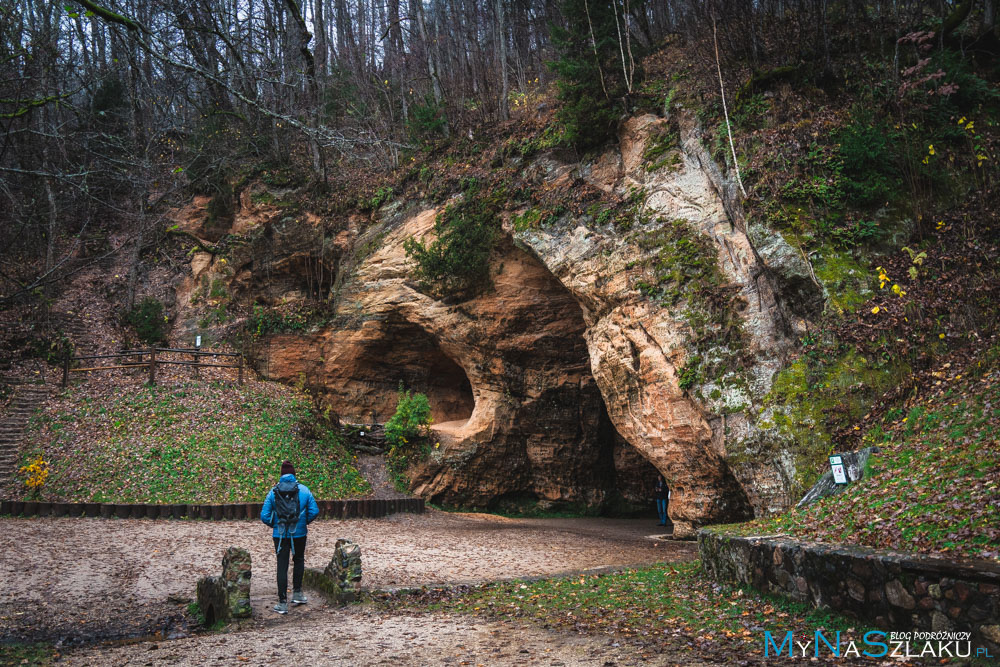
column 84, row 579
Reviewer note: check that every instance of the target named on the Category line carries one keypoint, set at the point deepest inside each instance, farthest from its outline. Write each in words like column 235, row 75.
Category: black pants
column 298, row 564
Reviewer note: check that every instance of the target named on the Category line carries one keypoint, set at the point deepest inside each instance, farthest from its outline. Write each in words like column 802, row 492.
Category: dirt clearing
column 78, row 580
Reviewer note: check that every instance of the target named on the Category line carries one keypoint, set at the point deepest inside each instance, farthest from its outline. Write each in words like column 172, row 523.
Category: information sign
column 837, row 466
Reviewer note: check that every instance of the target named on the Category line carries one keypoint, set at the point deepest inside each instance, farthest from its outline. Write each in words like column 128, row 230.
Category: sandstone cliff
column 600, row 355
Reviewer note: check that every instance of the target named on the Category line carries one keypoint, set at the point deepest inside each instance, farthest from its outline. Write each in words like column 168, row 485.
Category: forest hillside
column 716, row 241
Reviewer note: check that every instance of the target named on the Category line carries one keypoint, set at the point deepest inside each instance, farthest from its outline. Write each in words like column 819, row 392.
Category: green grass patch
column 27, row 654
column 667, row 606
column 932, row 489
column 196, row 442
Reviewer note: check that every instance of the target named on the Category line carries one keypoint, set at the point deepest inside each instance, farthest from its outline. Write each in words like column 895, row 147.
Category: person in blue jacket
column 290, row 540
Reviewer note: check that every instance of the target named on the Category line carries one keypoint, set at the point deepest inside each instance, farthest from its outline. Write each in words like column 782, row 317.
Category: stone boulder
column 340, row 582
column 345, row 566
column 228, row 596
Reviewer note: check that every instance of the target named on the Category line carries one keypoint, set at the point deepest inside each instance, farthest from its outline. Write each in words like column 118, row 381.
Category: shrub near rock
column 406, row 432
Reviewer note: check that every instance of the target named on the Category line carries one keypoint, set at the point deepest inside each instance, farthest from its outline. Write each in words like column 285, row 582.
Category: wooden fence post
column 241, row 370
column 152, row 365
column 65, row 370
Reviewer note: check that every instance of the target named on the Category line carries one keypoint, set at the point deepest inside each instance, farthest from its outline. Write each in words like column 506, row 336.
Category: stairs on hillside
column 26, row 401
column 372, row 442
column 77, row 331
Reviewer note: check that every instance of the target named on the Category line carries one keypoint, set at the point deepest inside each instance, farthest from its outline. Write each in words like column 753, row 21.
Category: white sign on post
column 837, row 466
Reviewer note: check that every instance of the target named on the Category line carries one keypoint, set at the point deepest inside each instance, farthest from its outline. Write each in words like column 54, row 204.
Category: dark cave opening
column 407, row 357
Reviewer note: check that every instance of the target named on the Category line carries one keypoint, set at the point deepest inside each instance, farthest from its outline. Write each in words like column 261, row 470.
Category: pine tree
column 590, row 86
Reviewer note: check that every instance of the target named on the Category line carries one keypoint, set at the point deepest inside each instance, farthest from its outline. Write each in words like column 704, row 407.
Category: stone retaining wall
column 892, row 591
column 328, row 509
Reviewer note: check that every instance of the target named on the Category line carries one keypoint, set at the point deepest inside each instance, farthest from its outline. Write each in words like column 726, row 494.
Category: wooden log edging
column 365, row 508
column 896, row 591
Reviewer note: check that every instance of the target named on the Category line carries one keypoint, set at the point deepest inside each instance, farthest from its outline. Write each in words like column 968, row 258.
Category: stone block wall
column 890, row 590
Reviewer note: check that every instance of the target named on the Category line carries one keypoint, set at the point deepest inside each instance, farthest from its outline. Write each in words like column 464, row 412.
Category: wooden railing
column 148, row 359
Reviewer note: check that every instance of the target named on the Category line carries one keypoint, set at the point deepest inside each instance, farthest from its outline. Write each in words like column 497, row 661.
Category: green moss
column 819, row 394
column 527, row 220
column 845, row 280
column 661, row 150
column 683, row 263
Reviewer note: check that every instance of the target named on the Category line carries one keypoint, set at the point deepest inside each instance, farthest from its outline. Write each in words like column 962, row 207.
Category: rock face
column 638, row 348
column 517, row 412
column 581, row 373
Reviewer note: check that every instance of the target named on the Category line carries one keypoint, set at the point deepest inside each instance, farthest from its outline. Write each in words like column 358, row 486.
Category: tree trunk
column 502, row 60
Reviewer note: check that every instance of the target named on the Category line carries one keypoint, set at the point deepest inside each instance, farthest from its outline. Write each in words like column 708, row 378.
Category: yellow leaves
column 37, row 472
column 961, row 121
column 940, row 225
column 883, row 277
column 875, row 310
column 898, row 291
column 930, row 150
column 941, row 336
column 969, row 127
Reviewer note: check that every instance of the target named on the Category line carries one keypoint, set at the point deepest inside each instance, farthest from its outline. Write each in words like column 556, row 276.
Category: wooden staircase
column 26, row 400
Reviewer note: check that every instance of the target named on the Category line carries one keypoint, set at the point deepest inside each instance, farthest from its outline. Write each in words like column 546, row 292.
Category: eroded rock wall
column 639, row 347
column 517, row 412
column 572, row 380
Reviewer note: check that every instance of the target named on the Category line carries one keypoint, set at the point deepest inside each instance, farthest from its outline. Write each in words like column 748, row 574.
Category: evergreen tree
column 591, row 86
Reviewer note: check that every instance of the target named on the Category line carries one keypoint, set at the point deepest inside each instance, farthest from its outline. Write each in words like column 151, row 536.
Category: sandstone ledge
column 892, row 590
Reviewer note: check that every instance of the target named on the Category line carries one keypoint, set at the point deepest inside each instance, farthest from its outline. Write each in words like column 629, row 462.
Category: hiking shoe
column 298, row 597
column 281, row 607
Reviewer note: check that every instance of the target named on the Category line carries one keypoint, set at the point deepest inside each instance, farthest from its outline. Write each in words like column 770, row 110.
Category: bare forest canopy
column 112, row 111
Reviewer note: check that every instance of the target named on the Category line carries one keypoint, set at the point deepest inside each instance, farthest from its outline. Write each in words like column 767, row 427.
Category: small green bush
column 869, row 151
column 410, row 423
column 457, row 262
column 406, row 434
column 427, row 121
column 690, row 375
column 148, row 320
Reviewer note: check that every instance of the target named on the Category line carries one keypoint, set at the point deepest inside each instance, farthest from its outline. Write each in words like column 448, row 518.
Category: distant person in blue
column 662, row 494
column 289, row 508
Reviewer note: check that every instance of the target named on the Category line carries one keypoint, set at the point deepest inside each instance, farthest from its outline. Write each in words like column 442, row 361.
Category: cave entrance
column 404, row 355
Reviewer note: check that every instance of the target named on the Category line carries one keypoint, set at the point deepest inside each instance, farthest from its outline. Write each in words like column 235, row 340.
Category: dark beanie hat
column 287, row 468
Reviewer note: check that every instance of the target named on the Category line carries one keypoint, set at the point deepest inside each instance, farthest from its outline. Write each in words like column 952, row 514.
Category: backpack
column 286, row 507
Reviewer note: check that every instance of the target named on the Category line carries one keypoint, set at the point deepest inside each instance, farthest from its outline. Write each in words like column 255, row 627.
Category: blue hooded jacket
column 308, row 509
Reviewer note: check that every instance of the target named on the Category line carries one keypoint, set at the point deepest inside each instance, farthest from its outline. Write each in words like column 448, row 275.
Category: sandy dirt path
column 357, row 636
column 82, row 579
